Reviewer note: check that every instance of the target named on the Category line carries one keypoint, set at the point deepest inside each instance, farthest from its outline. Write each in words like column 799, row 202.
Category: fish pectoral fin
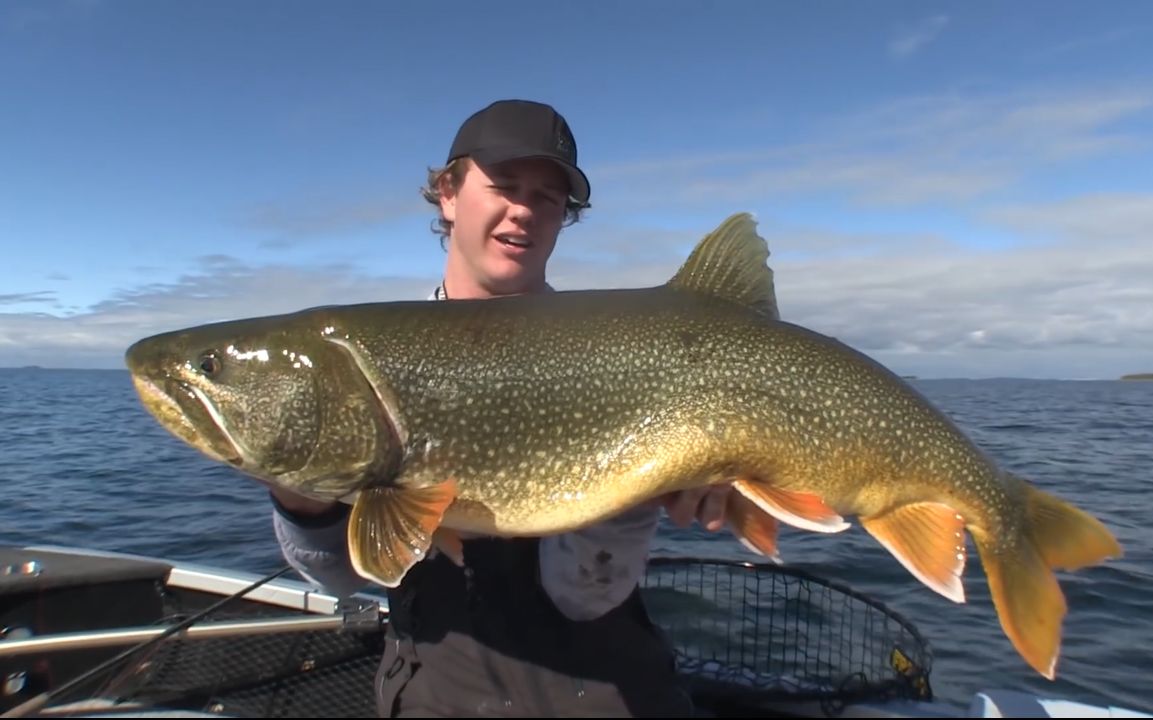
column 928, row 538
column 391, row 529
column 799, row 509
column 756, row 529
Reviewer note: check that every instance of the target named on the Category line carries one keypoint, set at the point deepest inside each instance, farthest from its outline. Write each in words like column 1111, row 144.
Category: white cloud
column 910, row 40
column 38, row 297
column 1076, row 301
column 1089, row 42
column 222, row 289
column 1091, row 219
column 947, row 147
column 289, row 222
column 1070, row 296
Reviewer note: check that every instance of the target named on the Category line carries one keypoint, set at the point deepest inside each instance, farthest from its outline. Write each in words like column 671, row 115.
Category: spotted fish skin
column 534, row 415
column 550, row 416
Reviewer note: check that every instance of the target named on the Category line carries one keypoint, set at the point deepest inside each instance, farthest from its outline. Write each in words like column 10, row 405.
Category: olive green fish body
column 541, row 414
column 588, row 402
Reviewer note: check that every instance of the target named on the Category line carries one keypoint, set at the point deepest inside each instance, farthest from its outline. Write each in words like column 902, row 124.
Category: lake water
column 81, row 464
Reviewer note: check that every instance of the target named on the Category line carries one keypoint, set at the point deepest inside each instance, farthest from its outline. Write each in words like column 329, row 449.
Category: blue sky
column 958, row 189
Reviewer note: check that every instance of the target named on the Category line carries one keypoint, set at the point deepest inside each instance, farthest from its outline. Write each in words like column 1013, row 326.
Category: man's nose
column 520, row 210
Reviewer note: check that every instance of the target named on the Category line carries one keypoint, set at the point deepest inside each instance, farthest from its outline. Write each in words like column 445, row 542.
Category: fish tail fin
column 1067, row 538
column 1028, row 598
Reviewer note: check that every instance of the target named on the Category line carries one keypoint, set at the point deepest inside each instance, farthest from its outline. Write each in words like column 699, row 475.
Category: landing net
column 760, row 633
column 746, row 636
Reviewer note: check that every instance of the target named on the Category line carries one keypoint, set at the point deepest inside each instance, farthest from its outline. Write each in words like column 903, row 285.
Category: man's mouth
column 517, row 241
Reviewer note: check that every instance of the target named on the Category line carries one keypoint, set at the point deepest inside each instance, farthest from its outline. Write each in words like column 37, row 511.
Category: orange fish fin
column 449, row 542
column 1029, row 602
column 799, row 509
column 1066, row 537
column 755, row 529
column 1028, row 598
column 390, row 529
column 929, row 540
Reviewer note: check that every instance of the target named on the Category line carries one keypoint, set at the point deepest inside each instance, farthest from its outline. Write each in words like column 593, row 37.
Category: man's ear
column 448, row 192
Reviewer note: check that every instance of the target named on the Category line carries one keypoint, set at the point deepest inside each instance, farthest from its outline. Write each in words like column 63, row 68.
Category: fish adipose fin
column 730, row 263
column 755, row 529
column 929, row 540
column 799, row 509
column 1029, row 601
column 391, row 529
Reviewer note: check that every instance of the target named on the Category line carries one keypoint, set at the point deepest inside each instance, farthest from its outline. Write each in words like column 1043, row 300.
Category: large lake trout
column 534, row 415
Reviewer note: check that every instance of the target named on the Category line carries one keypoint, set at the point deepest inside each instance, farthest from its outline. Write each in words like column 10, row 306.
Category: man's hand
column 704, row 504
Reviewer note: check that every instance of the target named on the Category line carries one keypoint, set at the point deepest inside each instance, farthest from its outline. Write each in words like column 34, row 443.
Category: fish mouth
column 187, row 413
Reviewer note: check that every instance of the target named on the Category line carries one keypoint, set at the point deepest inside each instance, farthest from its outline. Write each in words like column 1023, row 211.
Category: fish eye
column 209, row 363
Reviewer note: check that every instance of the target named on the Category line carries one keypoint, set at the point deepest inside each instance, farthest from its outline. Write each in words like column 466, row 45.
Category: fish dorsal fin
column 730, row 263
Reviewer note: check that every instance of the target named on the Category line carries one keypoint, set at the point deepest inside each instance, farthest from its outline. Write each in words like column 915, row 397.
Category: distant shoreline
column 1138, row 376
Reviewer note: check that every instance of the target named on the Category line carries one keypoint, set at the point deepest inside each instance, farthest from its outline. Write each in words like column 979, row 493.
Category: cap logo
column 563, row 146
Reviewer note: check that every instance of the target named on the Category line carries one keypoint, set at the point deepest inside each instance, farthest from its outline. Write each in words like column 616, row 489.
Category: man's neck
column 463, row 286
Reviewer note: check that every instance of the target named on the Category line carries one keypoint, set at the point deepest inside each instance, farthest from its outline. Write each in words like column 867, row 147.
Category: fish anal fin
column 391, row 528
column 799, row 509
column 928, row 538
column 756, row 529
column 730, row 263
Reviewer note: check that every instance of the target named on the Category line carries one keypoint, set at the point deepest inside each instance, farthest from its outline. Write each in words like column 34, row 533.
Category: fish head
column 272, row 397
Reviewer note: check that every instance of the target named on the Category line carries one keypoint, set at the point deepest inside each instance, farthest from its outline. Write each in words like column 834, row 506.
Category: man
column 524, row 627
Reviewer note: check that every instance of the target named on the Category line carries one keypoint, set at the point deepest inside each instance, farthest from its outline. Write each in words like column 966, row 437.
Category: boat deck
column 105, row 635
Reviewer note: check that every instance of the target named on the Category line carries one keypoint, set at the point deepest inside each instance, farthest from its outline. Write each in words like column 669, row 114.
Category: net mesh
column 300, row 674
column 745, row 635
column 303, row 673
column 768, row 633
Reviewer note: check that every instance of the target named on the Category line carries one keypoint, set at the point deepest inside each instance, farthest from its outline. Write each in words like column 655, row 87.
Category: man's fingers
column 712, row 508
column 704, row 504
column 682, row 505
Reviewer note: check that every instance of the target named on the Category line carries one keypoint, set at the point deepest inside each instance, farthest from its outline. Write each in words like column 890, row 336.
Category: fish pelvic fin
column 799, row 509
column 755, row 529
column 1028, row 598
column 730, row 263
column 391, row 529
column 928, row 538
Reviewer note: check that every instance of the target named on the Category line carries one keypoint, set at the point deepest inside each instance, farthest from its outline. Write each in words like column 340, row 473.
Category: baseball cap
column 516, row 129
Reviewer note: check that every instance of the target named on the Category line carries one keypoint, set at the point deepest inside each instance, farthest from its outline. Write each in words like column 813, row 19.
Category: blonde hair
column 453, row 174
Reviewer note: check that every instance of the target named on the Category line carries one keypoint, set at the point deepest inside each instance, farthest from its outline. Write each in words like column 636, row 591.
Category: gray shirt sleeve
column 591, row 571
column 319, row 553
column 586, row 573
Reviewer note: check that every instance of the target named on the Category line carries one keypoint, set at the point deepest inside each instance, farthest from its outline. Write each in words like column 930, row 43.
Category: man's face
column 506, row 219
